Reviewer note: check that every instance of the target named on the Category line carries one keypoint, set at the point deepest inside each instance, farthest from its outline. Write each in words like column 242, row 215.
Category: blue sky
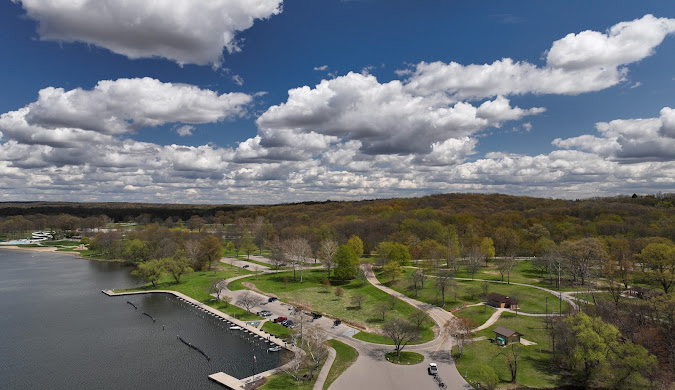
column 264, row 101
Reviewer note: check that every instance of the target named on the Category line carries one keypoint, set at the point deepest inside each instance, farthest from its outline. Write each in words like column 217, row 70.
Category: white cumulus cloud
column 188, row 32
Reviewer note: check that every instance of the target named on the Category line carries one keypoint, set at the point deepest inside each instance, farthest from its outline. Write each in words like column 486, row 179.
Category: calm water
column 58, row 331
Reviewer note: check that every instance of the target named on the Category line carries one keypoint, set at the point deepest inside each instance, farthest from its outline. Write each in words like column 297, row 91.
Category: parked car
column 272, row 299
column 315, row 315
column 433, row 369
column 245, row 266
column 280, row 319
column 264, row 313
column 287, row 323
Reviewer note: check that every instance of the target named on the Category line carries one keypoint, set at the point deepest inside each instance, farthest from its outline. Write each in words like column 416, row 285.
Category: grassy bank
column 345, row 356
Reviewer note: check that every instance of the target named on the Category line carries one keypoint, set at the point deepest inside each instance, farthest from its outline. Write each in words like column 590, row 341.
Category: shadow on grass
column 377, row 320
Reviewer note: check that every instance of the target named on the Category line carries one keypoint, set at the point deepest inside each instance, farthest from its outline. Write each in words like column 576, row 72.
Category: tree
column 581, row 256
column 315, row 345
column 462, row 330
column 597, row 356
column 151, row 270
column 325, row 285
column 473, row 261
column 506, row 241
column 177, row 266
column 249, row 300
column 362, row 273
column 473, row 291
column 356, row 244
column 209, row 250
column 358, row 299
column 660, row 259
column 505, row 265
column 487, row 377
column 443, row 282
column 327, row 250
column 418, row 317
column 487, row 248
column 392, row 270
column 339, row 293
column 277, row 256
column 417, row 277
column 247, row 244
column 299, row 251
column 511, row 358
column 195, row 222
column 381, row 308
column 401, row 332
column 346, row 262
column 135, row 250
column 294, row 362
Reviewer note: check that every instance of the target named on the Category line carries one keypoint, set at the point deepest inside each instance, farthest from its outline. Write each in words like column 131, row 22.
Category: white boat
column 42, row 235
column 235, row 327
column 276, row 348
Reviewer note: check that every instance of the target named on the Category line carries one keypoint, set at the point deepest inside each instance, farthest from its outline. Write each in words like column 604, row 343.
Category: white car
column 433, row 369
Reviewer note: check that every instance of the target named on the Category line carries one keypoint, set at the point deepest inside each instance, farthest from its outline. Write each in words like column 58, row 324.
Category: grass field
column 345, row 356
column 406, row 358
column 478, row 314
column 534, row 369
column 531, row 300
column 311, row 294
column 275, row 329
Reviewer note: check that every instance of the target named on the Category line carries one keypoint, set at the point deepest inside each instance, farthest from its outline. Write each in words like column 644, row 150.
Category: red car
column 279, row 319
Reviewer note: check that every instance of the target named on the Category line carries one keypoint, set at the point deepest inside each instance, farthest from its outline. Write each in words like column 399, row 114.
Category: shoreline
column 46, row 249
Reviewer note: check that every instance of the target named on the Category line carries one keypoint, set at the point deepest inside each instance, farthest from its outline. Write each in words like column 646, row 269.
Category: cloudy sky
column 269, row 101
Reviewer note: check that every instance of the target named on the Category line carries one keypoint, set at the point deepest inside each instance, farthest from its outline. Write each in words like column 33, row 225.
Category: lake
column 58, row 331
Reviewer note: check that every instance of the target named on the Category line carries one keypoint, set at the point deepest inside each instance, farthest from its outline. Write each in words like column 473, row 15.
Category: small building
column 501, row 301
column 641, row 292
column 504, row 336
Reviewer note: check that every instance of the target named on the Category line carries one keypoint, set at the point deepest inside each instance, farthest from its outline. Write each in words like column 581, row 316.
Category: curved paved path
column 321, row 379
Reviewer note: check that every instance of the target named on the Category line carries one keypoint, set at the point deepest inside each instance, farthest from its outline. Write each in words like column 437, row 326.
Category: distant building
column 641, row 292
column 504, row 336
column 501, row 301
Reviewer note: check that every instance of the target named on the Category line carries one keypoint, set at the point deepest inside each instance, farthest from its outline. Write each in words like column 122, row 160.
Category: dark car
column 272, row 299
column 315, row 315
column 245, row 266
column 280, row 319
column 287, row 323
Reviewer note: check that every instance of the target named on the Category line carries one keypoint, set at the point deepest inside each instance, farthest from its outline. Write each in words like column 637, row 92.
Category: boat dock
column 220, row 377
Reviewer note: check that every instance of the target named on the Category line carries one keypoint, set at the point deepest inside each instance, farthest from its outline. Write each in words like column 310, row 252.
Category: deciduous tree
column 401, row 332
column 346, row 262
column 151, row 270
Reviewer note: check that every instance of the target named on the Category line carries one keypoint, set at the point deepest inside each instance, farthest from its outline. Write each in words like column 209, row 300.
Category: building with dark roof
column 501, row 301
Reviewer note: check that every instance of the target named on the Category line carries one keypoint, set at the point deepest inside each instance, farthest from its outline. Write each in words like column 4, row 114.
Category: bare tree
column 505, row 265
column 218, row 287
column 401, row 332
column 358, row 299
column 191, row 250
column 461, row 329
column 315, row 345
column 473, row 261
column 443, row 282
column 511, row 359
column 277, row 255
column 381, row 308
column 327, row 250
column 295, row 362
column 249, row 300
column 416, row 277
column 299, row 250
column 362, row 273
column 418, row 317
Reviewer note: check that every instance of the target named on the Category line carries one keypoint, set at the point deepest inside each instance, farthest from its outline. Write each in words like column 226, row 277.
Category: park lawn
column 532, row 328
column 426, row 335
column 478, row 314
column 405, row 358
column 345, row 356
column 534, row 368
column 283, row 381
column 196, row 285
column 531, row 300
column 311, row 294
column 277, row 330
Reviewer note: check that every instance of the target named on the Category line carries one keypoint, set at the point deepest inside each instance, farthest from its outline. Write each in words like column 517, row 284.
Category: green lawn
column 406, row 358
column 345, row 356
column 312, row 294
column 534, row 368
column 532, row 300
column 275, row 329
column 196, row 285
column 478, row 314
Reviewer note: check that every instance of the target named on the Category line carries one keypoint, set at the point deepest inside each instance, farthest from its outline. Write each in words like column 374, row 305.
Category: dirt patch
column 252, row 287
